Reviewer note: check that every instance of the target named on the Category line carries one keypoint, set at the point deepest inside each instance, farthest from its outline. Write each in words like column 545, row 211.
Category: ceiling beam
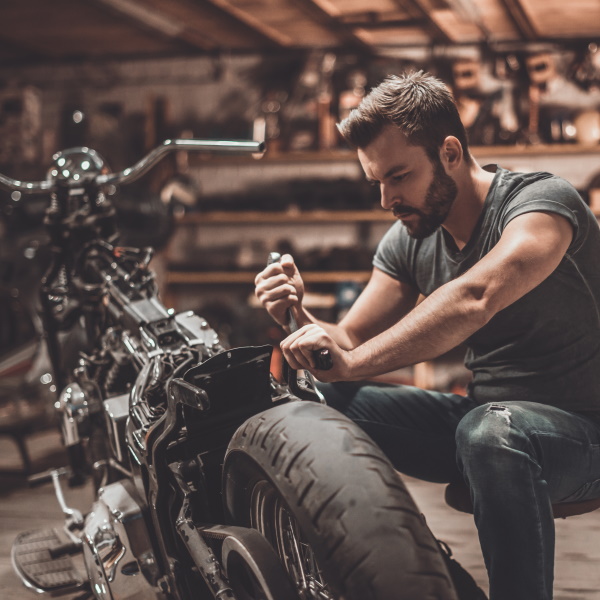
column 314, row 12
column 246, row 18
column 520, row 19
column 422, row 14
column 138, row 12
column 203, row 25
column 374, row 24
column 337, row 26
column 468, row 11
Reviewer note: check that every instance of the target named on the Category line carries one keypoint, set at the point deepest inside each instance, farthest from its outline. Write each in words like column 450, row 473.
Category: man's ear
column 451, row 153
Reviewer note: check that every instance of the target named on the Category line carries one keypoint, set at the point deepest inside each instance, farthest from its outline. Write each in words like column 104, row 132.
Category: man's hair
column 420, row 105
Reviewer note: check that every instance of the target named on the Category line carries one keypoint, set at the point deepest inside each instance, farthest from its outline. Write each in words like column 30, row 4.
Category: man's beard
column 439, row 198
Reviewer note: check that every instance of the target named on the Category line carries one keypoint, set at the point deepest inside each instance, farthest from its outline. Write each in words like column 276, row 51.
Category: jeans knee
column 484, row 435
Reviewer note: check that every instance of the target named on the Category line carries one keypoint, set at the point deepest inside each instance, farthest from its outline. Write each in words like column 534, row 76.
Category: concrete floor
column 578, row 538
column 577, row 564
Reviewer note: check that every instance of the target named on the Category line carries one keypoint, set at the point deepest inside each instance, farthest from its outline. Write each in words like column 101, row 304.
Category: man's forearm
column 441, row 322
column 339, row 334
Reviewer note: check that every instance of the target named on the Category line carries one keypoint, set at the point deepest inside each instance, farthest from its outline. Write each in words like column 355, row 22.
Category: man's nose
column 387, row 198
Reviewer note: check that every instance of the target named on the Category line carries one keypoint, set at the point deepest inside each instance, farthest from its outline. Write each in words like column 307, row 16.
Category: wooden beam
column 201, row 26
column 520, row 19
column 337, row 26
column 138, row 13
column 371, row 24
column 416, row 8
column 308, row 8
column 245, row 17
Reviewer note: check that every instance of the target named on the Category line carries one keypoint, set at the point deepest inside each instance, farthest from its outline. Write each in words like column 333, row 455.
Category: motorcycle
column 212, row 479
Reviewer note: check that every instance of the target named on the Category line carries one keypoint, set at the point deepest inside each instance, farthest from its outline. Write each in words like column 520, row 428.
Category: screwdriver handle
column 322, row 357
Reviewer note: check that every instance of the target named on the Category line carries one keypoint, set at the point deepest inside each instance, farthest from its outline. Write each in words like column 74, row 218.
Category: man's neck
column 473, row 187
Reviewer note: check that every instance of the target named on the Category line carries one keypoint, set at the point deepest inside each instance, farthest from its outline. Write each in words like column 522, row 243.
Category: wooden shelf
column 276, row 157
column 340, row 155
column 256, row 217
column 245, row 277
column 537, row 149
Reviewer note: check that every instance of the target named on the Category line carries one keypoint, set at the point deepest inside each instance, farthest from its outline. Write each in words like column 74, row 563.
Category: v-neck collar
column 450, row 247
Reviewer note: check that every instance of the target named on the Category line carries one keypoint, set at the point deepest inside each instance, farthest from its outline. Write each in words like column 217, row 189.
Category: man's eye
column 399, row 177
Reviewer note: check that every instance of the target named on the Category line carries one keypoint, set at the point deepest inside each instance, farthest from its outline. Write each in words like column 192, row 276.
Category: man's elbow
column 481, row 304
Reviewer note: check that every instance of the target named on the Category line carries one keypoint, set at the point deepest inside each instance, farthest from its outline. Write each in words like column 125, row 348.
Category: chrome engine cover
column 117, row 551
column 116, row 411
column 74, row 408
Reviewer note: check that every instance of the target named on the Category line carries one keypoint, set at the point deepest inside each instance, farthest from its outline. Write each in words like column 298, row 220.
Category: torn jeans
column 516, row 457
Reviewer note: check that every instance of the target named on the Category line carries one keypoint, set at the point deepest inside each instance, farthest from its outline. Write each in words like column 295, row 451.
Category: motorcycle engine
column 118, row 554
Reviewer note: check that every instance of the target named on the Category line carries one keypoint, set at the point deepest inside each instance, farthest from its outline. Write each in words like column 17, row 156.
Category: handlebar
column 89, row 165
column 142, row 166
column 27, row 187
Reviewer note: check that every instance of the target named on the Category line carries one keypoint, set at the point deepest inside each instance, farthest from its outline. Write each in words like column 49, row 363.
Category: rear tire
column 332, row 506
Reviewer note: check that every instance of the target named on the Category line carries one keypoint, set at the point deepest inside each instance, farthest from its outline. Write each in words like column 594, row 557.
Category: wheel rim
column 270, row 516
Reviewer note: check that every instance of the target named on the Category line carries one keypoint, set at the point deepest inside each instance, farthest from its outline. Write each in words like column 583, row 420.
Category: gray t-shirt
column 545, row 347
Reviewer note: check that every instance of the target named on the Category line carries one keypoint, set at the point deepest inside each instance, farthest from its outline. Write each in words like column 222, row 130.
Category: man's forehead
column 388, row 153
column 389, row 140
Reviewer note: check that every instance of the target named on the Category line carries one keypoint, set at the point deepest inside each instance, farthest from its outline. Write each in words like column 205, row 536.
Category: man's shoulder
column 543, row 192
column 518, row 182
column 515, row 188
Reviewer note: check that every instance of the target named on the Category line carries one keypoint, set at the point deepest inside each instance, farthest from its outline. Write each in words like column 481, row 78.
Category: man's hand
column 280, row 287
column 300, row 349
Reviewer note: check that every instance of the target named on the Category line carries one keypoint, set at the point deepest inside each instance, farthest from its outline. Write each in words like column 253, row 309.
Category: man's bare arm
column 530, row 249
column 382, row 303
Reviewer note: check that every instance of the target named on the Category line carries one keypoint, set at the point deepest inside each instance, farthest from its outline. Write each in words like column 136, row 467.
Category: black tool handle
column 322, row 357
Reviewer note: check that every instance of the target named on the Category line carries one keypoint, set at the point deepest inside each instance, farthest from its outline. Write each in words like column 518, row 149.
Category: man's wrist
column 301, row 316
column 354, row 365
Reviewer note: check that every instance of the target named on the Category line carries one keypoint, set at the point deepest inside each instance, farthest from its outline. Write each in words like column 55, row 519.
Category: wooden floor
column 578, row 538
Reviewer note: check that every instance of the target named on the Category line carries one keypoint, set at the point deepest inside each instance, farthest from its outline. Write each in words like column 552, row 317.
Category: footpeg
column 32, row 560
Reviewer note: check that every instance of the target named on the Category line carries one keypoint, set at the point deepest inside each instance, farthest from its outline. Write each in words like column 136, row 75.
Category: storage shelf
column 246, row 277
column 536, row 149
column 254, row 217
column 350, row 155
column 275, row 157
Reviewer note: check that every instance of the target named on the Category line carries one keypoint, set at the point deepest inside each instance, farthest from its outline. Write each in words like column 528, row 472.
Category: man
column 509, row 264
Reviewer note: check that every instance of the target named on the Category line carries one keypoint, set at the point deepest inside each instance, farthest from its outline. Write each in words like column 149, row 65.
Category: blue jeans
column 517, row 458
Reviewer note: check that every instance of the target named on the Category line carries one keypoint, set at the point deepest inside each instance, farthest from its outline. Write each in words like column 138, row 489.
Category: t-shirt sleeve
column 554, row 195
column 391, row 254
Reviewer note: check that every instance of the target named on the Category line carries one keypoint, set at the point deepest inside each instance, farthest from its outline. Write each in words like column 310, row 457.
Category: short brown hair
column 420, row 105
